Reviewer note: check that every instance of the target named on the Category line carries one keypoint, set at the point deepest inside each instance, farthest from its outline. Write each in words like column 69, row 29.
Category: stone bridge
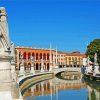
column 57, row 70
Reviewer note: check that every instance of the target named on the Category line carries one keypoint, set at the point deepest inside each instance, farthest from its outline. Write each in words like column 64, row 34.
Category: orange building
column 62, row 59
column 37, row 55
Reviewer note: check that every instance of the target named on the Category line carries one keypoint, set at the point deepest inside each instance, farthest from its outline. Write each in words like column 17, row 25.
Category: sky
column 68, row 25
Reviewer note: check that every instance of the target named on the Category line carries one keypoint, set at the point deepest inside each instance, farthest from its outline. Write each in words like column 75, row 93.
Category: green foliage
column 92, row 48
column 93, row 96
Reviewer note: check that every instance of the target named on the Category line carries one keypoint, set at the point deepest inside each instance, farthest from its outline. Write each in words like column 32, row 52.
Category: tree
column 92, row 48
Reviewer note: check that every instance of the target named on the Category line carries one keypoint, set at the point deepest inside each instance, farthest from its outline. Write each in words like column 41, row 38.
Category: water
column 60, row 89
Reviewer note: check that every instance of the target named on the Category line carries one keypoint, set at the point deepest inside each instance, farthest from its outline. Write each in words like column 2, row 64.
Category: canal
column 66, row 87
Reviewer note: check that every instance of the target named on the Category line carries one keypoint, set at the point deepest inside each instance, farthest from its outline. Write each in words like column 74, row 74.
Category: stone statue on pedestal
column 95, row 59
column 88, row 67
column 32, row 66
column 5, row 52
column 96, row 65
column 22, row 71
column 7, row 86
column 4, row 33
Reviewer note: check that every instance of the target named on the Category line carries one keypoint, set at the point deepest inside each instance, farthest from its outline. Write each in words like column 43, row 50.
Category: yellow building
column 74, row 59
column 61, row 59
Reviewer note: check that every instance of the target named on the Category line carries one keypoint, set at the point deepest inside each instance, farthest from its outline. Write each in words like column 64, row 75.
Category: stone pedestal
column 13, row 71
column 5, row 76
column 50, row 69
column 32, row 70
column 96, row 70
column 6, row 85
column 5, row 68
column 22, row 71
column 88, row 69
column 42, row 69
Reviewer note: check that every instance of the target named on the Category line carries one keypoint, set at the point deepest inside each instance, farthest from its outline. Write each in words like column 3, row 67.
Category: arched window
column 19, row 54
column 52, row 56
column 69, row 58
column 40, row 56
column 36, row 56
column 29, row 55
column 47, row 56
column 47, row 66
column 33, row 54
column 75, row 58
column 24, row 55
column 44, row 56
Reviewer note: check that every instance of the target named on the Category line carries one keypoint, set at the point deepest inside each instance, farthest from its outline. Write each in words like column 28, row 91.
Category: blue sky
column 67, row 24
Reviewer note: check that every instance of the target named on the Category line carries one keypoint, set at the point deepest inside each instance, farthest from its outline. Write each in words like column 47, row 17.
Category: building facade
column 74, row 59
column 36, row 57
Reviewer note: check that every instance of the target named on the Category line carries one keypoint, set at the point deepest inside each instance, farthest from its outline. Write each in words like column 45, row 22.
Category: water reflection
column 56, row 89
column 69, row 75
column 93, row 89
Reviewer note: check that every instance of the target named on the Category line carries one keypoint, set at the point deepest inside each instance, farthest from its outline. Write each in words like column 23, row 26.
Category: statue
column 21, row 59
column 4, row 34
column 6, row 70
column 96, row 66
column 22, row 70
column 32, row 67
column 95, row 58
column 5, row 53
